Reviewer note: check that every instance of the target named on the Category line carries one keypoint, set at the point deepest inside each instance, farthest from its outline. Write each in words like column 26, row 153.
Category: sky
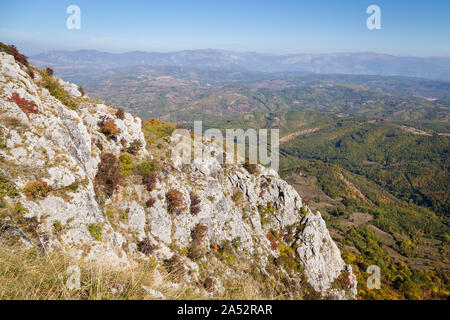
column 408, row 27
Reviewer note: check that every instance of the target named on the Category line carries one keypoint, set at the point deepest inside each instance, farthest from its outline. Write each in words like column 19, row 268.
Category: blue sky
column 420, row 28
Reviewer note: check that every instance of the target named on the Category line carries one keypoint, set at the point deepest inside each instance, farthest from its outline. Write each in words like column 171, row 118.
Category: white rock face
column 61, row 147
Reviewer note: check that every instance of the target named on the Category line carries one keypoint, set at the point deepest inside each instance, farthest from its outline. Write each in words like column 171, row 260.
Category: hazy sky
column 410, row 27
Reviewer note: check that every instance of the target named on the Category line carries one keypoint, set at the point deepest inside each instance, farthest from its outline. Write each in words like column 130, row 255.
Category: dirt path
column 296, row 134
column 352, row 187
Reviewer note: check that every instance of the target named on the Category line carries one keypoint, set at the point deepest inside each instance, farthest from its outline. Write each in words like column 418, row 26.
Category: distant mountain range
column 336, row 63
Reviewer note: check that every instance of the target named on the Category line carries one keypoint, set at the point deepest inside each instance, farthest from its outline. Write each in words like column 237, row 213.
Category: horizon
column 239, row 51
column 407, row 28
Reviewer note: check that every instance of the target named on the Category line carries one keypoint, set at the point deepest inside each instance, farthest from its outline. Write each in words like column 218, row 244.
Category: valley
column 370, row 152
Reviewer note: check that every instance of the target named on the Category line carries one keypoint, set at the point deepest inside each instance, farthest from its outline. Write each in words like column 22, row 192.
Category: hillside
column 84, row 184
column 382, row 187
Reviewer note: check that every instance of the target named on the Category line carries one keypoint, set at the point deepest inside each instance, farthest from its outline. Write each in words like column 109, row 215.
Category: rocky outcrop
column 62, row 147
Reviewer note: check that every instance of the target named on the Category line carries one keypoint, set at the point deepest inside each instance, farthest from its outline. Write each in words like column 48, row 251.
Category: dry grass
column 30, row 274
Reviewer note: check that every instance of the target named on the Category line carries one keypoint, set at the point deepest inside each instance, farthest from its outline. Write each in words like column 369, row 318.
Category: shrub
column 31, row 73
column 109, row 173
column 199, row 233
column 49, row 71
column 12, row 50
column 146, row 247
column 95, row 231
column 145, row 168
column 149, row 181
column 209, row 284
column 108, row 128
column 81, row 89
column 175, row 267
column 150, row 202
column 134, row 146
column 303, row 211
column 195, row 203
column 74, row 185
column 127, row 164
column 236, row 242
column 25, row 105
column 252, row 168
column 175, row 201
column 197, row 250
column 57, row 225
column 37, row 190
column 120, row 114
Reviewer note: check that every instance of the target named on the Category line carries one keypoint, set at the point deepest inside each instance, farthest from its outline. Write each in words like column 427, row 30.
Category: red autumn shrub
column 175, row 201
column 274, row 239
column 12, row 50
column 195, row 203
column 149, row 181
column 25, row 105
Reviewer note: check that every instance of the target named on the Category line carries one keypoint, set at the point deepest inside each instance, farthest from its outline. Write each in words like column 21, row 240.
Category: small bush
column 134, row 147
column 127, row 164
column 96, row 231
column 236, row 242
column 303, row 211
column 31, row 73
column 175, row 202
column 109, row 128
column 149, row 181
column 74, row 185
column 195, row 203
column 49, row 71
column 37, row 190
column 209, row 284
column 25, row 105
column 146, row 247
column 175, row 267
column 252, row 168
column 150, row 202
column 120, row 114
column 145, row 168
column 57, row 225
column 109, row 173
column 197, row 250
column 81, row 89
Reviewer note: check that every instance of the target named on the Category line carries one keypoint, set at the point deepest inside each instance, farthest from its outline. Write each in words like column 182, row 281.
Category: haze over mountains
column 340, row 63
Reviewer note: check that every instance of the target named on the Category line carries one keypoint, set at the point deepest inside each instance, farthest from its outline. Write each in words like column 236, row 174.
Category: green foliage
column 57, row 226
column 303, row 211
column 57, row 91
column 145, row 168
column 127, row 164
column 95, row 231
column 236, row 242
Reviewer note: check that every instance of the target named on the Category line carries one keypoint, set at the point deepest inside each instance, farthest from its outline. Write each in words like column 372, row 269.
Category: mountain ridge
column 344, row 63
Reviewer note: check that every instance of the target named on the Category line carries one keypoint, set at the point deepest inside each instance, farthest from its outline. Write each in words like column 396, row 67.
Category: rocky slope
column 207, row 219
